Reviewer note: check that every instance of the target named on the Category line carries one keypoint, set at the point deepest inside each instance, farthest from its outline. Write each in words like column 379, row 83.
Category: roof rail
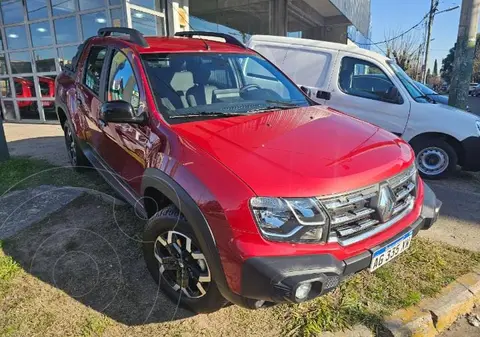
column 228, row 38
column 135, row 36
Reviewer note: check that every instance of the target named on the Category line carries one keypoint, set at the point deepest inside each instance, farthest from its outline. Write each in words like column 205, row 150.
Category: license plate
column 390, row 251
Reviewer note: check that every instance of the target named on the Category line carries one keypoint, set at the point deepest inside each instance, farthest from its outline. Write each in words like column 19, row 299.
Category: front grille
column 354, row 215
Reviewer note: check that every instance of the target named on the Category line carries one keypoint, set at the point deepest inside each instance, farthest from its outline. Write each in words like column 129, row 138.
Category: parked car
column 476, row 91
column 431, row 94
column 24, row 88
column 434, row 96
column 374, row 88
column 472, row 87
column 254, row 193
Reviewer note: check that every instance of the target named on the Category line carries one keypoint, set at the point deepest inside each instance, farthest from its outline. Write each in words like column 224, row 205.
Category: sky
column 400, row 15
column 397, row 16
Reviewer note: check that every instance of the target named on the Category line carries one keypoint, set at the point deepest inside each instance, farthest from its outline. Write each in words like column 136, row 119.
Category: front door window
column 365, row 79
column 122, row 84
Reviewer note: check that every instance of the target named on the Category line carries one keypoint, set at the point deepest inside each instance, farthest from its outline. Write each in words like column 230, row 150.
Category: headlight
column 289, row 219
column 478, row 126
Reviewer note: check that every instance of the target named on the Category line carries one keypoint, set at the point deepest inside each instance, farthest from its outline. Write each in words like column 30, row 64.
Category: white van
column 372, row 87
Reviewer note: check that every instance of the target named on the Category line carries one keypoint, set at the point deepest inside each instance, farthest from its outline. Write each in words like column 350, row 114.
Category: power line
column 402, row 34
column 435, row 11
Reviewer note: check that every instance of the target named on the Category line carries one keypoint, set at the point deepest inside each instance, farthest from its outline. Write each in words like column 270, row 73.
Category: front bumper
column 471, row 149
column 275, row 279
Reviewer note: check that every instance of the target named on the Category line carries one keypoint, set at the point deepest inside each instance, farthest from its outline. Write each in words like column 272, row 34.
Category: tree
column 435, row 68
column 476, row 62
column 403, row 49
column 447, row 65
column 428, row 73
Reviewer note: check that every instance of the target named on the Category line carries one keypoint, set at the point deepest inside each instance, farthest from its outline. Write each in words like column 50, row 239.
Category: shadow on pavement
column 91, row 250
column 460, row 195
column 51, row 149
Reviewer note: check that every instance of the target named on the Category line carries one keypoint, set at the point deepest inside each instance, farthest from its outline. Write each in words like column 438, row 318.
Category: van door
column 307, row 66
column 365, row 89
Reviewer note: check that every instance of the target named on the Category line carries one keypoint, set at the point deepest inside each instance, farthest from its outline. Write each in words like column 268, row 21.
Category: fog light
column 302, row 291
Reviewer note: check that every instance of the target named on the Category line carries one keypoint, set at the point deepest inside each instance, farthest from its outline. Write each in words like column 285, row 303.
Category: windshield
column 426, row 90
column 215, row 84
column 408, row 83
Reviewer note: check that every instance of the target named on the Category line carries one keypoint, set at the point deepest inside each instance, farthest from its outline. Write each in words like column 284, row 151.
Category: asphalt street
column 459, row 222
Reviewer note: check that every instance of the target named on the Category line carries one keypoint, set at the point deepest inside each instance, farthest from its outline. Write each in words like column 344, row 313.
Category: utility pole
column 464, row 54
column 431, row 15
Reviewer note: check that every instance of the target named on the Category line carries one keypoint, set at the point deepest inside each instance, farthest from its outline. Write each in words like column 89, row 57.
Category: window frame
column 370, row 64
column 85, row 68
column 112, row 53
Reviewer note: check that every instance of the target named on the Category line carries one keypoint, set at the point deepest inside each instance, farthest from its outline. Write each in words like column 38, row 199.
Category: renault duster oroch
column 254, row 193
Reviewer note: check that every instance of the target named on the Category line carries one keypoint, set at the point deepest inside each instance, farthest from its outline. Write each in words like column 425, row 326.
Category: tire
column 158, row 228
column 75, row 154
column 429, row 153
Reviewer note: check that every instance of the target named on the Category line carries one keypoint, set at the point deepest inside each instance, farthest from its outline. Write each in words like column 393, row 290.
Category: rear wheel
column 175, row 260
column 435, row 158
column 75, row 154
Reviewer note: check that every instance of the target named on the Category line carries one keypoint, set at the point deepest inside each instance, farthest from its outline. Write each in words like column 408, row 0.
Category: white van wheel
column 435, row 158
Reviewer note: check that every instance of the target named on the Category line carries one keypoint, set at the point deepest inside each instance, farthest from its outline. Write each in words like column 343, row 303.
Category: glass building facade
column 38, row 36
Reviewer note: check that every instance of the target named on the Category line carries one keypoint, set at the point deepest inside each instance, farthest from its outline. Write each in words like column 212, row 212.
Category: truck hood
column 300, row 152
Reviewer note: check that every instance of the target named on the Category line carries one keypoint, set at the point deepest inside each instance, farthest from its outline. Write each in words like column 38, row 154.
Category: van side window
column 364, row 79
column 93, row 68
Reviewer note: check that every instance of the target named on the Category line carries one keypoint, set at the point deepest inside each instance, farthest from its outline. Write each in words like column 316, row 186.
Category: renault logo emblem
column 385, row 203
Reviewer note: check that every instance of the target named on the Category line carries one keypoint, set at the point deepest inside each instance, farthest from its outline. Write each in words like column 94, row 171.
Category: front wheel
column 435, row 158
column 175, row 261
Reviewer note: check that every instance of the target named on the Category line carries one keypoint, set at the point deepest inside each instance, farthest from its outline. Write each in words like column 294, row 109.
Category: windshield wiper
column 275, row 105
column 281, row 104
column 207, row 114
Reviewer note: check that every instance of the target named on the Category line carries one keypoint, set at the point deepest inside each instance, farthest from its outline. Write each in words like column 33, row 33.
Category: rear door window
column 93, row 68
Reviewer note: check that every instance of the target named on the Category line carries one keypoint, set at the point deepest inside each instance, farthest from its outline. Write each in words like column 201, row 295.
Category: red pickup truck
column 254, row 194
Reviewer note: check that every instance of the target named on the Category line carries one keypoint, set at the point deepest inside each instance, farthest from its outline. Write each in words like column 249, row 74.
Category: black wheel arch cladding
column 161, row 181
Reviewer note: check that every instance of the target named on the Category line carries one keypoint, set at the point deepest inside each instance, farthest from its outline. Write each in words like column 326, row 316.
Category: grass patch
column 94, row 325
column 8, row 268
column 20, row 172
column 365, row 298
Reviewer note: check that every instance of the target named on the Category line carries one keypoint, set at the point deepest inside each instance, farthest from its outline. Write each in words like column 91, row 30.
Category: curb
column 433, row 315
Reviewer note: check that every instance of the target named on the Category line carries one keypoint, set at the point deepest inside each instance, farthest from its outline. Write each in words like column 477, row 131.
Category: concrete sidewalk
column 40, row 141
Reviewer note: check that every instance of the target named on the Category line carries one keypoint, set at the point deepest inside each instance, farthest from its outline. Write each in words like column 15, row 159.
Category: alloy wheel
column 71, row 147
column 181, row 264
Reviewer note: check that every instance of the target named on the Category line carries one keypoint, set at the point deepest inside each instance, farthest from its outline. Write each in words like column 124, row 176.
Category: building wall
column 357, row 12
column 38, row 36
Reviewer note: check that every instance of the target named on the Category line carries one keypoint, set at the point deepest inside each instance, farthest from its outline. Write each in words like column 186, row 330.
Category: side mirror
column 305, row 90
column 393, row 95
column 120, row 112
